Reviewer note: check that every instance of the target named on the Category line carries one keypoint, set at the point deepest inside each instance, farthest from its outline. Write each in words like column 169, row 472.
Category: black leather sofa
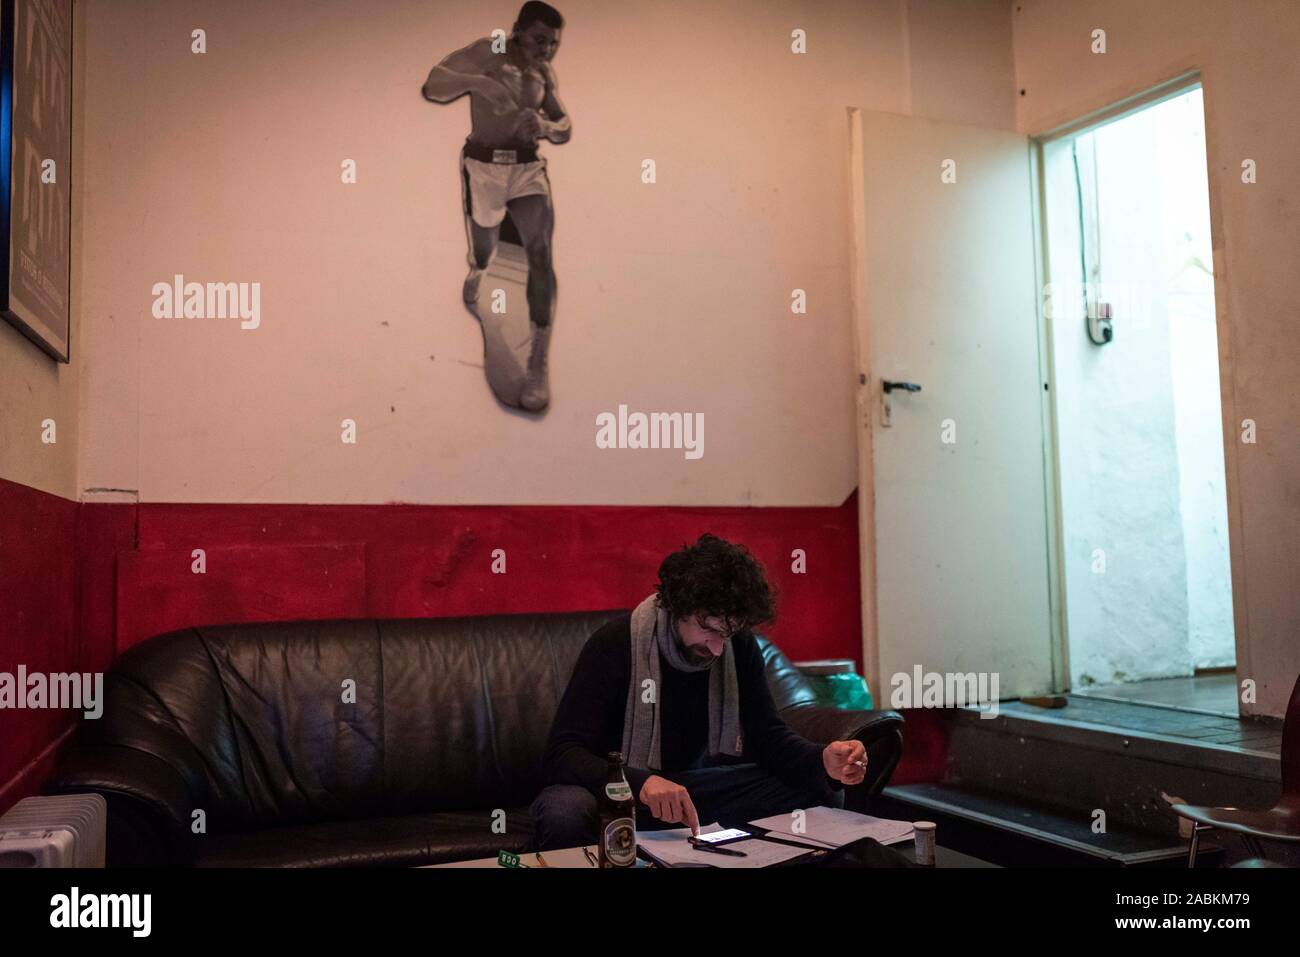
column 239, row 746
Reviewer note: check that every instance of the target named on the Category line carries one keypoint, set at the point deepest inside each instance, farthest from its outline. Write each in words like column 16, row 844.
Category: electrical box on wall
column 1100, row 330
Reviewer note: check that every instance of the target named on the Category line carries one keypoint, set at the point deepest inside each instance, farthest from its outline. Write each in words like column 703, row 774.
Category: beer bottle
column 617, row 817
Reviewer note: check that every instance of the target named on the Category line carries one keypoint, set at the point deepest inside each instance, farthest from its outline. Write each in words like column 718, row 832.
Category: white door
column 953, row 475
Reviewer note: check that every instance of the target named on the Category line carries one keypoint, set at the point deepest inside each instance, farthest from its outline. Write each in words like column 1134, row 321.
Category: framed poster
column 36, row 170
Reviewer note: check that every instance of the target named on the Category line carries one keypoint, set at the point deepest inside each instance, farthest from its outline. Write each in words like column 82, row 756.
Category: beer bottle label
column 618, row 791
column 620, row 842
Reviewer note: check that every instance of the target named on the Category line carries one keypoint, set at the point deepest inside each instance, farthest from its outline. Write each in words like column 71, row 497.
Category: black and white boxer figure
column 514, row 103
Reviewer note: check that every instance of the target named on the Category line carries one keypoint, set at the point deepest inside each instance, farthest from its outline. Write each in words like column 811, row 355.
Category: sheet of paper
column 671, row 847
column 835, row 827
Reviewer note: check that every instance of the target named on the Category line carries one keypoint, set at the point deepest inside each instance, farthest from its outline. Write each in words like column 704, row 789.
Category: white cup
column 924, row 831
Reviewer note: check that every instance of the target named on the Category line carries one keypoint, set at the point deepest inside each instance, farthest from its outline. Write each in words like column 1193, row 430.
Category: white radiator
column 58, row 831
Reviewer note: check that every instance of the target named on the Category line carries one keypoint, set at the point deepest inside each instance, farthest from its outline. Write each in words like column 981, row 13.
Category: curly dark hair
column 714, row 578
column 535, row 10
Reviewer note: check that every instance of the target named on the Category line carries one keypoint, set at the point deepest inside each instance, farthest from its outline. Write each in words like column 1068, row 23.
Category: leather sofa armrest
column 150, row 807
column 824, row 725
column 879, row 731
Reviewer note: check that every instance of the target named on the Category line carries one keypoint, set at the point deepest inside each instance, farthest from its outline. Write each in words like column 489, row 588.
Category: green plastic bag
column 846, row 690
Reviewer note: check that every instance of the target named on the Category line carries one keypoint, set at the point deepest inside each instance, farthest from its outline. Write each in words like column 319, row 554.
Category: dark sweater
column 589, row 722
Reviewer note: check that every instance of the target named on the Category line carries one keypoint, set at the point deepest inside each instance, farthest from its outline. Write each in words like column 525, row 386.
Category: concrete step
column 1098, row 756
column 1013, row 832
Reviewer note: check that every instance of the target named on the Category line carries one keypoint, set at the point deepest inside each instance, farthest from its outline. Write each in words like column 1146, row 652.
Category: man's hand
column 840, row 759
column 669, row 802
column 531, row 126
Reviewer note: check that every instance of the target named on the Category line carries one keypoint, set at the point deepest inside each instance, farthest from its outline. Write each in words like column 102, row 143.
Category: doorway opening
column 1134, row 350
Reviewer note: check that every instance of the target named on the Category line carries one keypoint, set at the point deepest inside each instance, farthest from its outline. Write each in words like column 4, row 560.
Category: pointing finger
column 692, row 817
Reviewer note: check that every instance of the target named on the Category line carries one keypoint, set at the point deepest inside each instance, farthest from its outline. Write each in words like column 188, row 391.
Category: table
column 567, row 857
column 571, row 857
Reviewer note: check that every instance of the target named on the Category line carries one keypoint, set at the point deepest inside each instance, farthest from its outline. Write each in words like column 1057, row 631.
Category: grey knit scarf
column 652, row 633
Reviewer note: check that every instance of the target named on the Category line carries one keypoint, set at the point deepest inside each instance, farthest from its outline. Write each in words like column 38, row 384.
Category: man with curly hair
column 679, row 687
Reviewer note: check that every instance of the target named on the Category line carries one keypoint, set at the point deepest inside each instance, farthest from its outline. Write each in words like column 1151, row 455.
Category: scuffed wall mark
column 455, row 557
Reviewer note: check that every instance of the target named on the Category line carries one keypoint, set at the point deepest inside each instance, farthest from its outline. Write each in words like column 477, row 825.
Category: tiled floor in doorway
column 1214, row 694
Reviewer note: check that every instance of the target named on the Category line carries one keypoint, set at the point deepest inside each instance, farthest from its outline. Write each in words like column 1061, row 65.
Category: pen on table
column 699, row 845
column 541, row 861
column 591, row 857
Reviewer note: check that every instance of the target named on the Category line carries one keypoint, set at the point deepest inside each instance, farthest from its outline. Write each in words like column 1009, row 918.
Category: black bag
column 864, row 852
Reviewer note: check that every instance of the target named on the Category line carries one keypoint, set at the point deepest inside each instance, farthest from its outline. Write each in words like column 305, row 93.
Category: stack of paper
column 833, row 827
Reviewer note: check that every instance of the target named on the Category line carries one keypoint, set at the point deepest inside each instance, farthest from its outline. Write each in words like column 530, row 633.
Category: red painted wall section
column 278, row 562
column 104, row 534
column 81, row 583
column 38, row 627
column 927, row 733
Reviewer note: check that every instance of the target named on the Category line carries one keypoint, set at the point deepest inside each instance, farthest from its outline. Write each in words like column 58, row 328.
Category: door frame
column 1177, row 81
column 1056, row 592
column 863, row 408
column 1163, row 85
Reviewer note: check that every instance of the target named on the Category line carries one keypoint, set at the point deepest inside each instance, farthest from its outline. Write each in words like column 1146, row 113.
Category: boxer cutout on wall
column 514, row 104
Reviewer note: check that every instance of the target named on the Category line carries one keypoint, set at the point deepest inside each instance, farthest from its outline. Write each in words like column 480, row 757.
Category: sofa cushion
column 285, row 723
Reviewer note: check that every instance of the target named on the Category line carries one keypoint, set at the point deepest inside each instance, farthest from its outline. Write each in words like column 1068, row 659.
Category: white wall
column 1126, row 570
column 33, row 387
column 1246, row 53
column 676, row 296
column 1203, row 488
column 1194, row 373
column 1139, row 421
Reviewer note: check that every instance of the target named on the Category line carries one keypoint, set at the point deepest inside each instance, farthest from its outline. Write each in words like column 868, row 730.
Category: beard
column 698, row 655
